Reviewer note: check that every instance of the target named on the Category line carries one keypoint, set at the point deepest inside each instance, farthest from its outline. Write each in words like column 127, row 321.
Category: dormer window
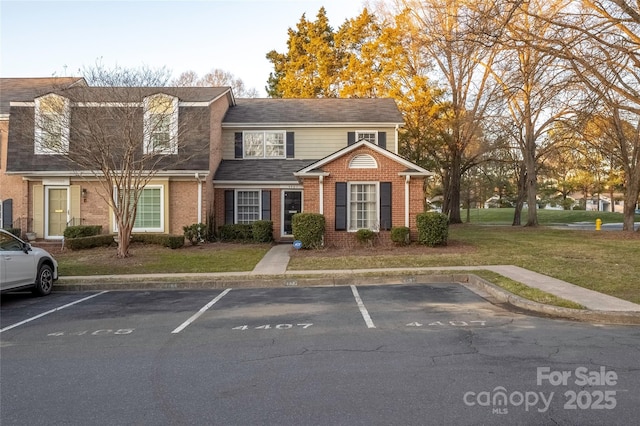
column 161, row 124
column 52, row 114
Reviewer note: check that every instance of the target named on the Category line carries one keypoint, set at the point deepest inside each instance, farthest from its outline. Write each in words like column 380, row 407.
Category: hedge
column 400, row 235
column 433, row 228
column 80, row 231
column 309, row 229
column 89, row 242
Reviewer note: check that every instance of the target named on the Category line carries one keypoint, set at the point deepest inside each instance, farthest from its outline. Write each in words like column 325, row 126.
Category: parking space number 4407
column 275, row 327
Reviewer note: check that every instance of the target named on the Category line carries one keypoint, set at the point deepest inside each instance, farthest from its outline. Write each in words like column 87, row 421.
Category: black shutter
column 341, row 206
column 229, row 212
column 238, row 145
column 266, row 205
column 290, row 145
column 382, row 140
column 385, row 206
column 7, row 214
column 351, row 138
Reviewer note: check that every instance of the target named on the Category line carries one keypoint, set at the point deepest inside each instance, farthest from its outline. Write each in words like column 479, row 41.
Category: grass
column 545, row 217
column 150, row 259
column 605, row 261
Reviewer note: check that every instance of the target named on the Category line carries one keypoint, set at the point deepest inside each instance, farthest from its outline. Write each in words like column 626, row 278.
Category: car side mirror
column 26, row 247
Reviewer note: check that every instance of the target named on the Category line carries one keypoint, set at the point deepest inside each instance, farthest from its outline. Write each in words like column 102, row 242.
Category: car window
column 8, row 243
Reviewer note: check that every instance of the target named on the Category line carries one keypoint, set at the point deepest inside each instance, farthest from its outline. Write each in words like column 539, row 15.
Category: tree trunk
column 522, row 195
column 452, row 190
column 630, row 200
column 124, row 239
column 531, row 189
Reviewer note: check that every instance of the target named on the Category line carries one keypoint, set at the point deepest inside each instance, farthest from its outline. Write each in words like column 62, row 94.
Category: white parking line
column 200, row 312
column 363, row 309
column 51, row 311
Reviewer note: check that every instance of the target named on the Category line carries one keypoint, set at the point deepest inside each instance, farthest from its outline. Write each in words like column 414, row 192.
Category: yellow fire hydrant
column 598, row 224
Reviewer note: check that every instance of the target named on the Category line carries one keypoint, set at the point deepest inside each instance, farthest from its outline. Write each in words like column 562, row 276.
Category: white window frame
column 63, row 118
column 374, row 132
column 264, row 143
column 149, row 124
column 160, row 229
column 236, row 209
column 374, row 225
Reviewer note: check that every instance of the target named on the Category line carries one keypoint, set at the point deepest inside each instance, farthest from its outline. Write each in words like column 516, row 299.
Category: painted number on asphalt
column 275, row 327
column 101, row 332
column 448, row 323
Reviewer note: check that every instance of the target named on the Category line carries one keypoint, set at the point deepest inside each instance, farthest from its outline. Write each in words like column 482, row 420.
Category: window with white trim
column 247, row 206
column 367, row 135
column 52, row 115
column 264, row 144
column 363, row 211
column 160, row 124
column 150, row 210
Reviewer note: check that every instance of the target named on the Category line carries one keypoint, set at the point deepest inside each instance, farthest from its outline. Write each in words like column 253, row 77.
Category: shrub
column 195, row 233
column 166, row 240
column 236, row 232
column 80, row 231
column 365, row 236
column 309, row 229
column 15, row 231
column 433, row 228
column 400, row 235
column 89, row 242
column 262, row 231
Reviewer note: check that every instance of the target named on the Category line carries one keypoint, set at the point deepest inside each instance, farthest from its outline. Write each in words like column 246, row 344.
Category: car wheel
column 44, row 281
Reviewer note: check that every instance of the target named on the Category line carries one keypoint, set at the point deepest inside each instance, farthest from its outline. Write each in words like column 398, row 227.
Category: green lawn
column 545, row 217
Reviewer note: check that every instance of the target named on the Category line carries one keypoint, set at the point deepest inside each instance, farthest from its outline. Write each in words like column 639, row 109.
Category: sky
column 60, row 38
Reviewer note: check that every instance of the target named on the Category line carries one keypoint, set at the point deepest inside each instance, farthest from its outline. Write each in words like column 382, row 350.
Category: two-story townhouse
column 13, row 188
column 235, row 161
column 57, row 193
column 336, row 157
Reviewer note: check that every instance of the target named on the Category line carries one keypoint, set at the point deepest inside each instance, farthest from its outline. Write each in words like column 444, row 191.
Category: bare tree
column 536, row 89
column 120, row 137
column 117, row 76
column 459, row 36
column 216, row 78
column 600, row 40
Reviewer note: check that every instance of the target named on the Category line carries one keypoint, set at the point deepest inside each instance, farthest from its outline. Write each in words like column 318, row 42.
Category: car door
column 18, row 268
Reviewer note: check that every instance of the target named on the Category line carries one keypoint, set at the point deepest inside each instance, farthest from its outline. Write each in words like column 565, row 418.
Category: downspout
column 197, row 176
column 321, row 193
column 407, row 178
column 396, row 136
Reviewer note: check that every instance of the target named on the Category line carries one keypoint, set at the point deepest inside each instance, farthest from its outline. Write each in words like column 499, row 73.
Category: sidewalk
column 272, row 271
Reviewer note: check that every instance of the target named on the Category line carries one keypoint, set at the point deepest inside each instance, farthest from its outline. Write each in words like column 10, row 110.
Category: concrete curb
column 483, row 288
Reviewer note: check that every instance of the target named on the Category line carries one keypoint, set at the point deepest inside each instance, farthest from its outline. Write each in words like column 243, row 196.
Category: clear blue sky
column 46, row 38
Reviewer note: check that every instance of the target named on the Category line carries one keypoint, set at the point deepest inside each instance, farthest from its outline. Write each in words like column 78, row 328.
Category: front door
column 291, row 204
column 57, row 211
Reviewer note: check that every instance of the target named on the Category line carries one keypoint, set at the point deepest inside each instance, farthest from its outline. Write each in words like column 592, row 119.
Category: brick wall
column 387, row 171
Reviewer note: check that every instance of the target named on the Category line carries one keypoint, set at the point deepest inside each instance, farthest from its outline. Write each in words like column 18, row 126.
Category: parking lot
column 366, row 354
column 291, row 310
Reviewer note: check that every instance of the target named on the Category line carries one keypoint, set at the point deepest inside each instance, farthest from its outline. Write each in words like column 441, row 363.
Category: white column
column 321, row 193
column 406, row 200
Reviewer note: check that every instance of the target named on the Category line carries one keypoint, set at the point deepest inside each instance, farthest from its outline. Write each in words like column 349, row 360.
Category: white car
column 23, row 266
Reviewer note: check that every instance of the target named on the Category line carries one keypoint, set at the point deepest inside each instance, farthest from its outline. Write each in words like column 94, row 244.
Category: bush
column 15, row 231
column 195, row 233
column 262, row 231
column 578, row 208
column 365, row 236
column 400, row 235
column 89, row 242
column 309, row 229
column 236, row 232
column 80, row 231
column 433, row 228
column 166, row 240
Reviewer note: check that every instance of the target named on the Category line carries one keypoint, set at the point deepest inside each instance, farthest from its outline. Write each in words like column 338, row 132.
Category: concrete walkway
column 274, row 262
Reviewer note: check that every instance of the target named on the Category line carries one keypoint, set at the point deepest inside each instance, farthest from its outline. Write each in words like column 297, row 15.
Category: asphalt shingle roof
column 26, row 89
column 324, row 110
column 267, row 170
